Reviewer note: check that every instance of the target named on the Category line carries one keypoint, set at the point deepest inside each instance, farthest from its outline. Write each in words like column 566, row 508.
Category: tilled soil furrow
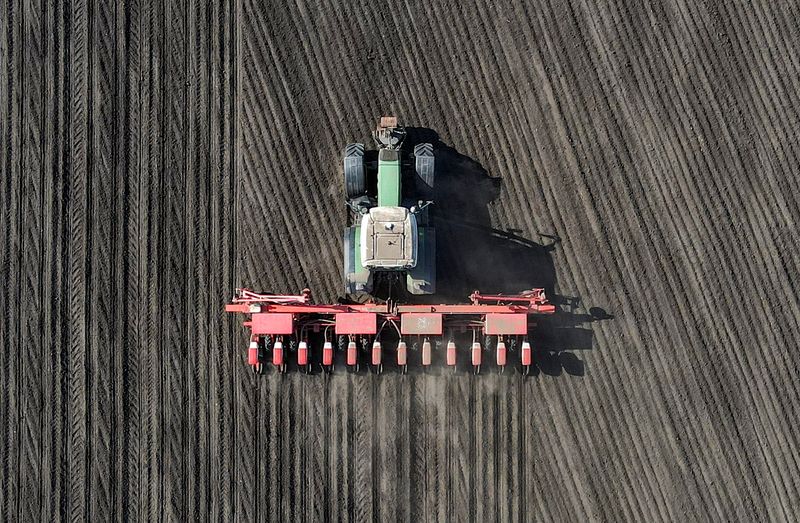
column 153, row 231
column 79, row 255
column 462, row 459
column 418, row 451
column 436, row 440
column 103, row 292
column 340, row 482
column 364, row 475
column 223, row 262
column 623, row 156
column 287, row 447
column 129, row 24
column 281, row 139
column 266, row 141
column 402, row 449
column 248, row 435
column 313, row 461
column 388, row 417
column 737, row 429
column 270, row 436
column 691, row 450
column 34, row 217
column 53, row 415
column 8, row 87
column 156, row 156
column 198, row 216
column 126, row 327
column 568, row 228
column 174, row 268
column 766, row 221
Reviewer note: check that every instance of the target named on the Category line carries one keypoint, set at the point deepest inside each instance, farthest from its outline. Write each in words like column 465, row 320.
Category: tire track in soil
column 386, row 463
column 143, row 242
column 270, row 443
column 35, row 210
column 103, row 220
column 9, row 34
column 172, row 291
column 53, row 299
column 340, row 482
column 15, row 142
column 129, row 29
column 301, row 497
column 436, row 441
column 196, row 425
column 402, row 448
column 463, row 438
column 507, row 454
column 286, row 445
column 483, row 434
column 276, row 434
column 418, row 462
column 151, row 241
column 223, row 140
column 363, row 473
column 246, row 439
column 80, row 242
column 609, row 113
column 317, row 440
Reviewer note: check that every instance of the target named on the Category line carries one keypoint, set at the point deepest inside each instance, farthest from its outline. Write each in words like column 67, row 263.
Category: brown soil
column 154, row 157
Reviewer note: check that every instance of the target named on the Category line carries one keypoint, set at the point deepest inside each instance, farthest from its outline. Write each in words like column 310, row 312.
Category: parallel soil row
column 638, row 161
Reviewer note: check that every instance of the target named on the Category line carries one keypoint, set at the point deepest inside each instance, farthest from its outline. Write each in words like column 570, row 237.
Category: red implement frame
column 491, row 314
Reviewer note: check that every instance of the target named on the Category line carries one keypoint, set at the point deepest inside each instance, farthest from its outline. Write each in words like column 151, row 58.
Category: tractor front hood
column 388, row 239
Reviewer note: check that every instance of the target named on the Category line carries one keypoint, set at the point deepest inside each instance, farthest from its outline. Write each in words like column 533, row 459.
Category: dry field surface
column 157, row 154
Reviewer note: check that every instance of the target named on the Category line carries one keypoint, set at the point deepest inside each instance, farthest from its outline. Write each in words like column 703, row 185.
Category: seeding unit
column 281, row 323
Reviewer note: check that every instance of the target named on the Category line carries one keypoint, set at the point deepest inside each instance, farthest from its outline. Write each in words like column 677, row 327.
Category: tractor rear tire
column 424, row 165
column 355, row 183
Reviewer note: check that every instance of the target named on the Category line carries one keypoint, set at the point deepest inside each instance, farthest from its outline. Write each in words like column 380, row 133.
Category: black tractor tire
column 355, row 182
column 424, row 165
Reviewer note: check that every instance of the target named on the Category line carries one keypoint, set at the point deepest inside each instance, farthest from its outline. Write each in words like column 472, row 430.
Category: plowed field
column 637, row 159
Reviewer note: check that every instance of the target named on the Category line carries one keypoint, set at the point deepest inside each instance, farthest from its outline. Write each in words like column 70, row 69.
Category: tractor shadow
column 472, row 254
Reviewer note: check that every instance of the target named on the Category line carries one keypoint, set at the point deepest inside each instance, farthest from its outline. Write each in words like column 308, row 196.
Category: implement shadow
column 471, row 254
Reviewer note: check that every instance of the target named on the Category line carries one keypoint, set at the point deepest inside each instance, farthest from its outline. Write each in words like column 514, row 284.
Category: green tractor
column 390, row 240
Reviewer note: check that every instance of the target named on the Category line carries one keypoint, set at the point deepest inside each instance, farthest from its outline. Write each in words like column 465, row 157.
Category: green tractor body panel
column 356, row 278
column 389, row 240
column 389, row 189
